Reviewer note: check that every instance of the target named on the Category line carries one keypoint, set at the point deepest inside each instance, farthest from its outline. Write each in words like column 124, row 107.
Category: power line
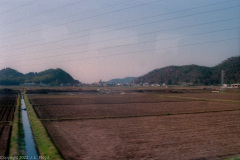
column 135, row 36
column 4, row 2
column 32, row 16
column 137, row 52
column 55, row 9
column 192, row 44
column 189, row 15
column 127, row 21
column 131, row 44
column 18, row 7
column 105, row 13
column 127, row 52
column 139, row 19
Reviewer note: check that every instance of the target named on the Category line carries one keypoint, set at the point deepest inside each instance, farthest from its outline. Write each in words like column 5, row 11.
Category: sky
column 96, row 40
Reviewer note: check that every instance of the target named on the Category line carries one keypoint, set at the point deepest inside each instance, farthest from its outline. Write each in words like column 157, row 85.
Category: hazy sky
column 105, row 39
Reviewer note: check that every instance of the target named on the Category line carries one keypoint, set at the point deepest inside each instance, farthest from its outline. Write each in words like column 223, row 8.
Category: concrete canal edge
column 44, row 144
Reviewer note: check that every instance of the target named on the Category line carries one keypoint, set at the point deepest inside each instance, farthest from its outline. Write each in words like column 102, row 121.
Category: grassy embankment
column 17, row 136
column 44, row 143
column 235, row 158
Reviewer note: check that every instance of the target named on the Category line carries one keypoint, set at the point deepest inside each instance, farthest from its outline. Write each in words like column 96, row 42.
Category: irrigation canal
column 30, row 147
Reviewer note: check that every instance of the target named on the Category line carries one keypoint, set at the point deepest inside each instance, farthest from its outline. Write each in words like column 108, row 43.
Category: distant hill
column 195, row 74
column 10, row 76
column 122, row 80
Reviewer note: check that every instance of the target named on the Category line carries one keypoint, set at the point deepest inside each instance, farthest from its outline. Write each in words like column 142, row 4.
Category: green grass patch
column 235, row 158
column 44, row 143
column 17, row 137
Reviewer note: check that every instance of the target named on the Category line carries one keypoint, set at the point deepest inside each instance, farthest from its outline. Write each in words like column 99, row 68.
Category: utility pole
column 222, row 77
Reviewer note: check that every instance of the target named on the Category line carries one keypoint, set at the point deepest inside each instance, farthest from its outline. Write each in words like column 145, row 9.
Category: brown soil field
column 86, row 96
column 7, row 107
column 130, row 109
column 128, row 98
column 51, row 96
column 5, row 131
column 222, row 96
column 7, row 113
column 8, row 100
column 193, row 136
column 101, row 99
column 185, row 131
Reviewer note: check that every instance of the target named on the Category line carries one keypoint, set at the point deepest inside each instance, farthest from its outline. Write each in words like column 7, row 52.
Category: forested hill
column 122, row 80
column 10, row 76
column 195, row 74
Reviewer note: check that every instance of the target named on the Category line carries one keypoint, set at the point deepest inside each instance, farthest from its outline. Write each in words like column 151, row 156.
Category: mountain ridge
column 122, row 80
column 194, row 74
column 57, row 76
column 172, row 75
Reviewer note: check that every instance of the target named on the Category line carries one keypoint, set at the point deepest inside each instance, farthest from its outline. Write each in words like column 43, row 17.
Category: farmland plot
column 101, row 99
column 6, row 113
column 221, row 96
column 7, row 107
column 139, row 126
column 5, row 131
column 131, row 109
column 8, row 100
column 200, row 136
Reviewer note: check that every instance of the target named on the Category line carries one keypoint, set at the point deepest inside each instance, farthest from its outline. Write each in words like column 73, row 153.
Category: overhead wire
column 135, row 52
column 131, row 26
column 129, row 44
column 58, row 8
column 4, row 2
column 216, row 41
column 37, row 14
column 18, row 7
column 105, row 13
column 104, row 26
column 163, row 30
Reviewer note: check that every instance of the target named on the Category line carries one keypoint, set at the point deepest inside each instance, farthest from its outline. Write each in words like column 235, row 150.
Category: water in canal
column 30, row 148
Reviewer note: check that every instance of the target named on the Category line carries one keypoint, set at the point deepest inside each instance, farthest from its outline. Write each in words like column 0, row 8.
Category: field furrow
column 169, row 137
column 141, row 126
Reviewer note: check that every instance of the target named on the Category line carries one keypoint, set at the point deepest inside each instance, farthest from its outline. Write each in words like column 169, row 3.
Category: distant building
column 64, row 84
column 235, row 85
column 184, row 84
column 104, row 84
column 29, row 84
column 225, row 85
column 146, row 84
column 119, row 84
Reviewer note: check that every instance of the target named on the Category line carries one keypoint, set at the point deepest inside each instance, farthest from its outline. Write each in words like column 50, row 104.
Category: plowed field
column 199, row 136
column 130, row 109
column 8, row 100
column 6, row 113
column 141, row 126
column 5, row 131
column 101, row 99
column 7, row 108
column 222, row 96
